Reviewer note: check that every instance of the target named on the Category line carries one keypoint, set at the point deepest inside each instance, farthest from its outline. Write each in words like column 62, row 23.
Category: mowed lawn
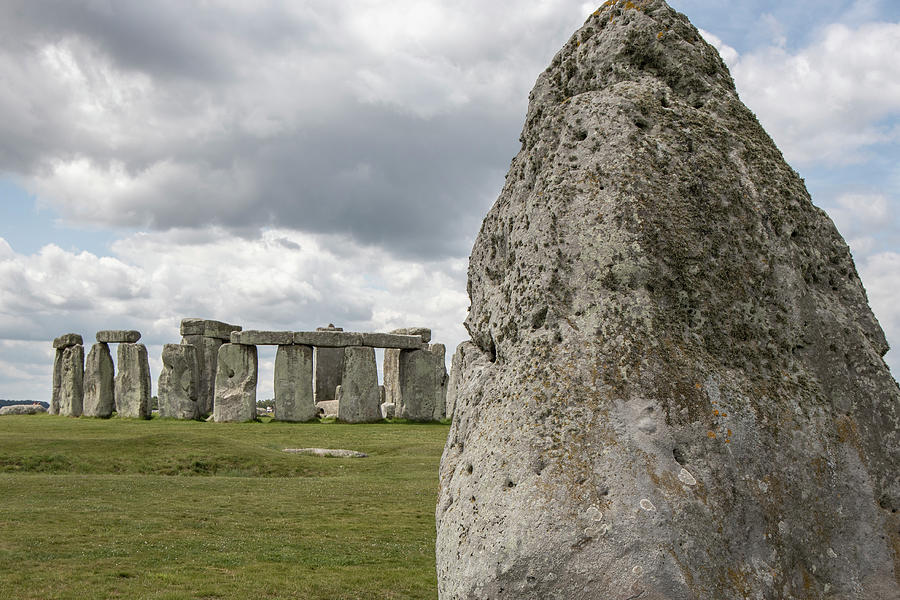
column 174, row 509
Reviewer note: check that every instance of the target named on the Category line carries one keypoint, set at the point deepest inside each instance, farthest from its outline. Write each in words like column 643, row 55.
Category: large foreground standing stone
column 465, row 366
column 422, row 379
column 132, row 382
column 684, row 395
column 179, row 382
column 294, row 384
column 207, row 336
column 99, row 382
column 236, row 384
column 360, row 398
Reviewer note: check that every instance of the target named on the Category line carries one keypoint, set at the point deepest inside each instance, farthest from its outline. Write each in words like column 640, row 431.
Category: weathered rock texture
column 118, row 336
column 390, row 368
column 236, row 384
column 207, row 336
column 294, row 384
column 132, row 382
column 359, row 399
column 22, row 409
column 468, row 360
column 178, row 387
column 422, row 380
column 422, row 332
column 99, row 383
column 68, row 381
column 686, row 397
column 68, row 339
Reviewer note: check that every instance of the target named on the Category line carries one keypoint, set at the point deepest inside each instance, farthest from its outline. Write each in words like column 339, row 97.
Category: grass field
column 173, row 509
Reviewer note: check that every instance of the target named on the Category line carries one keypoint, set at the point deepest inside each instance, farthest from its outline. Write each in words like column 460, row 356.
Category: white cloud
column 880, row 274
column 860, row 218
column 728, row 54
column 828, row 102
column 283, row 280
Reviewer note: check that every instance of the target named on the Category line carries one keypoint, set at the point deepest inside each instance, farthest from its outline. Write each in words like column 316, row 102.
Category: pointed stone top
column 330, row 327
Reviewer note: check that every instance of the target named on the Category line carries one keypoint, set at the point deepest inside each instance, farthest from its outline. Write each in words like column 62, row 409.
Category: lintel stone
column 345, row 339
column 425, row 332
column 253, row 337
column 208, row 328
column 67, row 340
column 118, row 336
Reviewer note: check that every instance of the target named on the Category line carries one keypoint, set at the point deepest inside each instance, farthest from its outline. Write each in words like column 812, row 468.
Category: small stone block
column 118, row 336
column 67, row 340
column 424, row 332
column 253, row 337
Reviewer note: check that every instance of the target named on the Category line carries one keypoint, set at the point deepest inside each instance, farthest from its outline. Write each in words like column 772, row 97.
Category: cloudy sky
column 312, row 161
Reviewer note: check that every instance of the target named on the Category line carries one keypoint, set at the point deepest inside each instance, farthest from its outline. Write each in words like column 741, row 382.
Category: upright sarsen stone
column 329, row 366
column 179, row 382
column 71, row 381
column 132, row 382
column 207, row 336
column 422, row 377
column 360, row 395
column 294, row 384
column 391, row 368
column 99, row 382
column 64, row 341
column 236, row 379
column 679, row 390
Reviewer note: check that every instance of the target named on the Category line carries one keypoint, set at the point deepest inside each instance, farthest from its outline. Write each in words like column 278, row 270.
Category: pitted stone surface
column 468, row 360
column 236, row 380
column 253, row 337
column 359, row 395
column 208, row 328
column 423, row 384
column 118, row 336
column 66, row 340
column 329, row 365
column 207, row 357
column 178, row 387
column 132, row 382
column 423, row 332
column 327, row 408
column 71, row 380
column 652, row 292
column 294, row 384
column 99, row 383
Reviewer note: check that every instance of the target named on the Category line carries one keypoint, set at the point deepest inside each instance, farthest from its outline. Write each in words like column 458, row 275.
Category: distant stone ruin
column 215, row 370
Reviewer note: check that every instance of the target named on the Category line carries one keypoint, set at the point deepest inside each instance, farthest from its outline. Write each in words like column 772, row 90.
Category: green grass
column 173, row 509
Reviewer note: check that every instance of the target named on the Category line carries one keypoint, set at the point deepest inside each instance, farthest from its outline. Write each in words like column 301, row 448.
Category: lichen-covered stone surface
column 70, row 398
column 132, row 382
column 236, row 378
column 207, row 359
column 422, row 384
column 178, row 388
column 294, row 384
column 359, row 399
column 99, row 383
column 681, row 392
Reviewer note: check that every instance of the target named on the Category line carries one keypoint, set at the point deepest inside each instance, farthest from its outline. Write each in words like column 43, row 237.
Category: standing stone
column 468, row 360
column 60, row 344
column 294, row 384
column 132, row 382
column 207, row 336
column 329, row 366
column 179, row 382
column 236, row 379
column 423, row 384
column 391, row 369
column 684, row 394
column 71, row 381
column 359, row 401
column 99, row 383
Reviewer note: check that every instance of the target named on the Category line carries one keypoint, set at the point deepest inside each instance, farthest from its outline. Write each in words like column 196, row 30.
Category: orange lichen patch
column 716, row 412
column 729, row 433
column 711, row 434
column 660, row 34
column 698, row 386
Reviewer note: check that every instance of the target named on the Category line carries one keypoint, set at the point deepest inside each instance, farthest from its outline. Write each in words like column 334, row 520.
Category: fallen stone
column 388, row 410
column 423, row 332
column 67, row 340
column 327, row 408
column 132, row 392
column 423, row 384
column 207, row 359
column 71, row 388
column 99, row 398
column 178, row 388
column 236, row 379
column 654, row 292
column 208, row 328
column 359, row 396
column 117, row 336
column 329, row 365
column 328, row 452
column 253, row 337
column 294, row 384
column 22, row 409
